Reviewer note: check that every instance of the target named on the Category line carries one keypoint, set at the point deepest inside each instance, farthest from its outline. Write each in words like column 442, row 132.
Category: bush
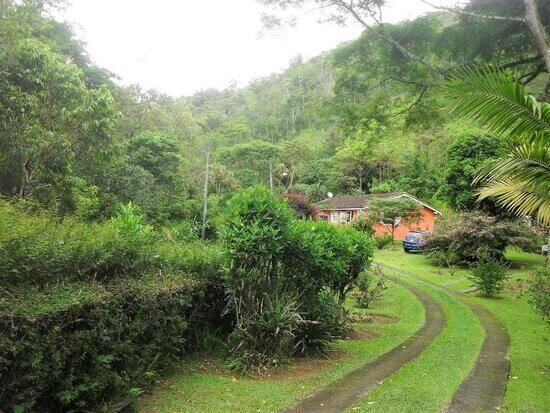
column 382, row 241
column 370, row 286
column 539, row 291
column 465, row 237
column 300, row 205
column 364, row 223
column 264, row 331
column 489, row 276
column 324, row 322
column 276, row 258
column 69, row 349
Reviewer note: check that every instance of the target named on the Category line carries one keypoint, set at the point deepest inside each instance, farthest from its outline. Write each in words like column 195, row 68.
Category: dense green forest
column 361, row 118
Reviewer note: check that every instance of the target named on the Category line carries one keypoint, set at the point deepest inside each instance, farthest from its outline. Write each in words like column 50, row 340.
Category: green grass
column 529, row 382
column 192, row 389
column 428, row 383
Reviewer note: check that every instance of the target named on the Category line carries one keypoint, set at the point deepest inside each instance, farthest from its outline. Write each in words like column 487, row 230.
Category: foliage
column 299, row 203
column 370, row 286
column 539, row 291
column 383, row 240
column 324, row 322
column 83, row 355
column 465, row 237
column 498, row 101
column 364, row 223
column 489, row 276
column 278, row 261
column 463, row 159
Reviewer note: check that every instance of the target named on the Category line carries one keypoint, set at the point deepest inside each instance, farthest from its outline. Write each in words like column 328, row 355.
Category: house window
column 323, row 217
column 345, row 216
column 341, row 216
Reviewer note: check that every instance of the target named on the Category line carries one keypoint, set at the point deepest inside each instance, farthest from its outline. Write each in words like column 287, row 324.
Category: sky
column 182, row 46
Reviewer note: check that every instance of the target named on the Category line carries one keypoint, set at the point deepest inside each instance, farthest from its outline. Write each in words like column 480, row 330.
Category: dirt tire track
column 343, row 393
column 484, row 388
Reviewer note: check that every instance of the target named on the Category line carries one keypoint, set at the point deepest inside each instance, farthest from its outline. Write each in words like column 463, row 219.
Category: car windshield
column 415, row 236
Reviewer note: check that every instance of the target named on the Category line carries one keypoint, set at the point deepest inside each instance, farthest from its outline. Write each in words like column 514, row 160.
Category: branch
column 384, row 36
column 463, row 12
column 416, row 102
column 522, row 61
column 528, row 77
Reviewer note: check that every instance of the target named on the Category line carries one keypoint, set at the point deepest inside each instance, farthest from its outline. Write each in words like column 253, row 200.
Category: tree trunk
column 537, row 29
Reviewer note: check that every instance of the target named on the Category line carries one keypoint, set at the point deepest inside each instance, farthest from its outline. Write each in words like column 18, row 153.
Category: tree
column 463, row 158
column 502, row 23
column 394, row 212
column 519, row 181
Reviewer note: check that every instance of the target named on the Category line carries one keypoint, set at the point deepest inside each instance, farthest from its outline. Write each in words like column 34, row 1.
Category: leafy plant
column 382, row 241
column 462, row 239
column 370, row 286
column 489, row 276
column 498, row 101
column 539, row 291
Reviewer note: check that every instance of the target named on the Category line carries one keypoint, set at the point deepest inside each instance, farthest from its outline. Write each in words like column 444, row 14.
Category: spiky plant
column 519, row 181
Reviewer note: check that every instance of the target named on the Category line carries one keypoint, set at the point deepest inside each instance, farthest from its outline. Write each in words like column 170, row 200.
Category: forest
column 137, row 228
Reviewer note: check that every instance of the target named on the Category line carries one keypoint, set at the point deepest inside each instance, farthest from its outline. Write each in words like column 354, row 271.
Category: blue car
column 415, row 241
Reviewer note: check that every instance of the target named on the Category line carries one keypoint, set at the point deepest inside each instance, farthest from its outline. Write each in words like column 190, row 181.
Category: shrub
column 370, row 286
column 68, row 349
column 275, row 259
column 382, row 241
column 489, row 276
column 324, row 322
column 539, row 291
column 465, row 237
column 443, row 258
column 264, row 331
column 364, row 223
column 300, row 205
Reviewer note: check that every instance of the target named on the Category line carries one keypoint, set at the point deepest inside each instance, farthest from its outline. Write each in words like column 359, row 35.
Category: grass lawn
column 193, row 389
column 428, row 383
column 529, row 382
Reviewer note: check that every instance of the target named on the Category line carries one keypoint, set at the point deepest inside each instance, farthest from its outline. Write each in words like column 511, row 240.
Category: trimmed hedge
column 82, row 355
column 93, row 312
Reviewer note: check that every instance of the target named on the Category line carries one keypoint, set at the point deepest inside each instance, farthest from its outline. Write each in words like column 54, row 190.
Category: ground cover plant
column 423, row 385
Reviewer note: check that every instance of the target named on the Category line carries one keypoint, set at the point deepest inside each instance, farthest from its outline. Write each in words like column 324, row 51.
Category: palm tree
column 519, row 181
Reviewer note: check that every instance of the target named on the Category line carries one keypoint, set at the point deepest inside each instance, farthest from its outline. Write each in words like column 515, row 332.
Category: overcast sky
column 181, row 46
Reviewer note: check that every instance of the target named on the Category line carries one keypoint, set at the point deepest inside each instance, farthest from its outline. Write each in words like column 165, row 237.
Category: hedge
column 69, row 352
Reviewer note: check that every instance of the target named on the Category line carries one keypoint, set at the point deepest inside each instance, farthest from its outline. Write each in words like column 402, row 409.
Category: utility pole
column 205, row 200
column 271, row 175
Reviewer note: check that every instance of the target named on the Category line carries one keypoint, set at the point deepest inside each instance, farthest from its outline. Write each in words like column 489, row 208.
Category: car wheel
column 406, row 250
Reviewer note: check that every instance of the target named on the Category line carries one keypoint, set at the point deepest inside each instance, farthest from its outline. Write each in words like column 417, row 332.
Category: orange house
column 344, row 209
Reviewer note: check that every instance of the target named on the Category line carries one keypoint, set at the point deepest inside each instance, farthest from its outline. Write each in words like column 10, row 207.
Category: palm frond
column 497, row 100
column 528, row 161
column 519, row 198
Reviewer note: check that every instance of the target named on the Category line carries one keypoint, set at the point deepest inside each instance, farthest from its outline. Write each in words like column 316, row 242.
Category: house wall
column 425, row 223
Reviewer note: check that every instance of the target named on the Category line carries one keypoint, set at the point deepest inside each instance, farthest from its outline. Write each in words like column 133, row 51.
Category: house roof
column 351, row 202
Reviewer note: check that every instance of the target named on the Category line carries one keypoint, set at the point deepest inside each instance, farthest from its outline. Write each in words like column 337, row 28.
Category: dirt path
column 343, row 393
column 483, row 390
